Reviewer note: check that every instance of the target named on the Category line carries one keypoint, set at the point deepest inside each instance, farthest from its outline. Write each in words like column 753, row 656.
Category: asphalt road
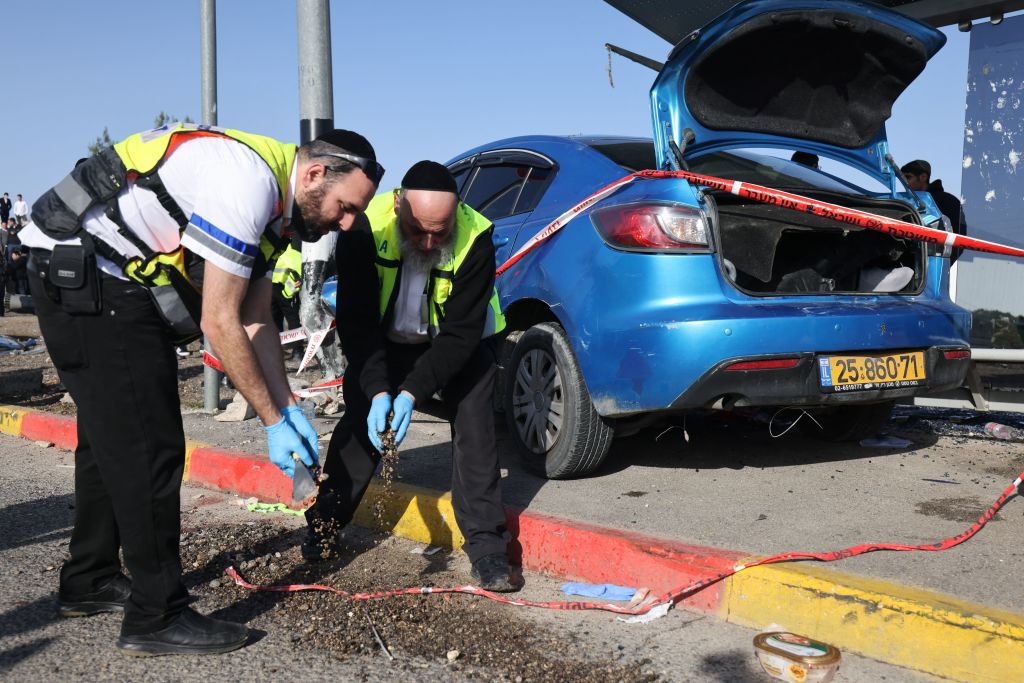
column 726, row 482
column 35, row 518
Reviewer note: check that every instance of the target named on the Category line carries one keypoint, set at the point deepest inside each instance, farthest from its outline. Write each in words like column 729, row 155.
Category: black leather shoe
column 492, row 573
column 110, row 598
column 190, row 633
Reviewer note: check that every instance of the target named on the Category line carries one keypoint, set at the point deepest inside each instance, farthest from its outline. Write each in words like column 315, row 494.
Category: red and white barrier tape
column 670, row 597
column 785, row 200
column 290, row 337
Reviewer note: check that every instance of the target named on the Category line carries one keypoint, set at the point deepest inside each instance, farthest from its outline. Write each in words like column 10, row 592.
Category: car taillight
column 957, row 354
column 652, row 226
column 773, row 364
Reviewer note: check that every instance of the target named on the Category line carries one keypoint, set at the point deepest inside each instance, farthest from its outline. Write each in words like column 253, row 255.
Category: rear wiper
column 903, row 179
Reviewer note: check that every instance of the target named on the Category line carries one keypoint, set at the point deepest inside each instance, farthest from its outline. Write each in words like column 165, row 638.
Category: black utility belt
column 70, row 276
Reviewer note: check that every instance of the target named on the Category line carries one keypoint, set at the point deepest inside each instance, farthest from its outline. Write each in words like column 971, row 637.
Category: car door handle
column 500, row 241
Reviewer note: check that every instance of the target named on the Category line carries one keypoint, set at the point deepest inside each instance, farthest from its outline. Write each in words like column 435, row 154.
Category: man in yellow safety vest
column 117, row 249
column 417, row 314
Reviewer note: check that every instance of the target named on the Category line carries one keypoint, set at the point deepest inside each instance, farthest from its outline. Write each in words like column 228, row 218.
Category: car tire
column 543, row 374
column 851, row 423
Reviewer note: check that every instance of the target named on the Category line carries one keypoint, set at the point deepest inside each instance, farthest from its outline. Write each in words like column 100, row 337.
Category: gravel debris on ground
column 481, row 640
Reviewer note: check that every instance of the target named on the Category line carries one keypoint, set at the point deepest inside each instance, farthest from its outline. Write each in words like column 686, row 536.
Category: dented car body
column 665, row 297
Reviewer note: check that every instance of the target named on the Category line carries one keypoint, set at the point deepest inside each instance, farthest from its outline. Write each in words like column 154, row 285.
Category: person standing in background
column 5, row 209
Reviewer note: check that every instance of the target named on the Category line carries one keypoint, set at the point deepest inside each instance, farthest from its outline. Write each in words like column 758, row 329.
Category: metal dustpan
column 305, row 482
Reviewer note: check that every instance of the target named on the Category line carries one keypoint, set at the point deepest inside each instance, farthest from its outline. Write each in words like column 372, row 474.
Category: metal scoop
column 306, row 480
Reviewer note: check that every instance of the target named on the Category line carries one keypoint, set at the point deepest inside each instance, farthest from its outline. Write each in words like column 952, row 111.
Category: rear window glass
column 632, row 156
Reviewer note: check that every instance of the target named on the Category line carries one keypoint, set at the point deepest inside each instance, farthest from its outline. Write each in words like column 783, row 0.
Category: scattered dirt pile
column 480, row 639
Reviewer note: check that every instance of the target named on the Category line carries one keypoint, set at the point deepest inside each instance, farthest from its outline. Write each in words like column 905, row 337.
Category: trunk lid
column 815, row 75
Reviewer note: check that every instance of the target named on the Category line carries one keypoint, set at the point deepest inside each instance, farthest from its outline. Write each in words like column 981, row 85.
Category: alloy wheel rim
column 538, row 404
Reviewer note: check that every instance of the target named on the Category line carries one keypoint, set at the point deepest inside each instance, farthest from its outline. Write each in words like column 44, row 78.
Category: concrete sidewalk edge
column 898, row 624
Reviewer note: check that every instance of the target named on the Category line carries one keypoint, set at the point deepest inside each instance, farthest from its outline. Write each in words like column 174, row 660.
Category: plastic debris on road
column 427, row 550
column 267, row 508
column 12, row 346
column 795, row 658
column 608, row 591
column 1001, row 431
column 655, row 613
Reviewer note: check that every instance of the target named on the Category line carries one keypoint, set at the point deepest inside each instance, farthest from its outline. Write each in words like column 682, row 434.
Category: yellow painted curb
column 412, row 512
column 190, row 446
column 906, row 626
column 10, row 420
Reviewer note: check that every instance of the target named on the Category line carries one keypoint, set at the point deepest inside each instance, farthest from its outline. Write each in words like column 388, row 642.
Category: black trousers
column 120, row 369
column 476, row 480
column 284, row 310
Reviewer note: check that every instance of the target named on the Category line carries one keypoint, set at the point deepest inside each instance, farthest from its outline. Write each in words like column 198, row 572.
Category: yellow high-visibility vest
column 469, row 224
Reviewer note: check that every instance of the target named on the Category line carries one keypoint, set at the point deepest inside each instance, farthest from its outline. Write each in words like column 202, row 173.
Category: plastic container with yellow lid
column 797, row 659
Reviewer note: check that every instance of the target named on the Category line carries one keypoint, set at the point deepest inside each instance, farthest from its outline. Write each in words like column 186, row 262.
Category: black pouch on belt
column 73, row 271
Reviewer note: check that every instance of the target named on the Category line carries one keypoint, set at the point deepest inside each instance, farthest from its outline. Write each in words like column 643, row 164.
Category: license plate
column 858, row 373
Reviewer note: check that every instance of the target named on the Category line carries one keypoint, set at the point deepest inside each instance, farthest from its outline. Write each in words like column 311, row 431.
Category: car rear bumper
column 800, row 385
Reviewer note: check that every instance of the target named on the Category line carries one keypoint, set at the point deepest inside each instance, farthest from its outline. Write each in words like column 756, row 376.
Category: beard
column 308, row 221
column 423, row 260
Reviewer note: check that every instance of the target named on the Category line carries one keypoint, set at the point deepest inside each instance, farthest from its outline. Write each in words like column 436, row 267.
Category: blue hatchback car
column 665, row 297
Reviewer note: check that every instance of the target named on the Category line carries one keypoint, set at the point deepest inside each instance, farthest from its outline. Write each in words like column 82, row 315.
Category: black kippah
column 429, row 175
column 349, row 141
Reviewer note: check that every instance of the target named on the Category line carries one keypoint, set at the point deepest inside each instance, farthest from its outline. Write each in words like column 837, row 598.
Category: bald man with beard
column 418, row 314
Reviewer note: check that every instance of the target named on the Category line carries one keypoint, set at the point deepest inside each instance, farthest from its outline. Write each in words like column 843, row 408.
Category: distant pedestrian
column 19, row 270
column 5, row 209
column 20, row 211
column 919, row 177
column 13, row 240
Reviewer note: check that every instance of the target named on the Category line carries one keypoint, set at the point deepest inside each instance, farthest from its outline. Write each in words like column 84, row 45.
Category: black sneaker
column 492, row 573
column 190, row 633
column 110, row 598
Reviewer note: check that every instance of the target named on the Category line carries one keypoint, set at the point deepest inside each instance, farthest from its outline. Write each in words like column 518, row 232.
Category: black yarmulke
column 350, row 141
column 429, row 175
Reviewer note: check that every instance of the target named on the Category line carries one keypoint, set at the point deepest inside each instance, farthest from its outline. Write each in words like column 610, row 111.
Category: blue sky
column 420, row 80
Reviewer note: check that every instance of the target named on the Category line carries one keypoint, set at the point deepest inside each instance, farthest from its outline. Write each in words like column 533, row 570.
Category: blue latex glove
column 403, row 416
column 297, row 419
column 608, row 591
column 282, row 441
column 377, row 420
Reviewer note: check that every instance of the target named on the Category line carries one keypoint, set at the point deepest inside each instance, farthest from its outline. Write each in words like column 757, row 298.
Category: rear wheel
column 548, row 409
column 851, row 423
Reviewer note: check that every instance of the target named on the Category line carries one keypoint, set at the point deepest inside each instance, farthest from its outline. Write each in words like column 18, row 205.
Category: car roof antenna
column 903, row 179
column 677, row 151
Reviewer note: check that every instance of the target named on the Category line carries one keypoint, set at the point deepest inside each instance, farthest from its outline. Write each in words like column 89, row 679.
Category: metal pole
column 316, row 116
column 208, row 61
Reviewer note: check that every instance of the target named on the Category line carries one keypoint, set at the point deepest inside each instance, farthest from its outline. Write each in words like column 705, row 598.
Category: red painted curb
column 59, row 430
column 246, row 474
column 602, row 555
column 540, row 543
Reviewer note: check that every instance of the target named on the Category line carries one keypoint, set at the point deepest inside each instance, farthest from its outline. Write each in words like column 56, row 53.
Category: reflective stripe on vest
column 143, row 153
column 468, row 226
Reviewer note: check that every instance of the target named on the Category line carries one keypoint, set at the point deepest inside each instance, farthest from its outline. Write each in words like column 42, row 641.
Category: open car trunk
column 766, row 250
